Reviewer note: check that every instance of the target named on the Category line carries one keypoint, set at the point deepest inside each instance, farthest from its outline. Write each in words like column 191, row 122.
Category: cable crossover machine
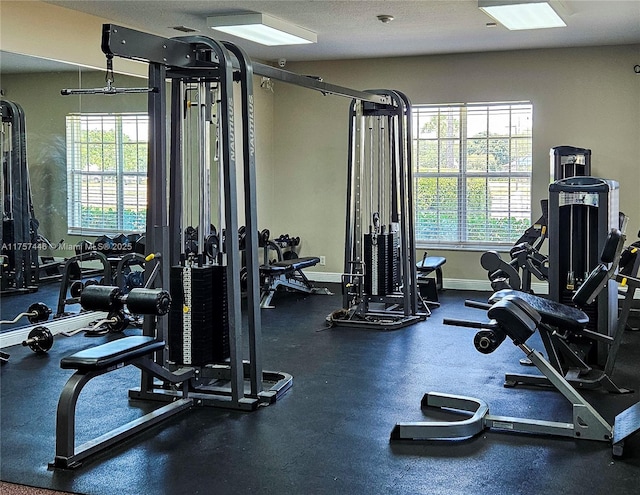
column 379, row 284
column 191, row 349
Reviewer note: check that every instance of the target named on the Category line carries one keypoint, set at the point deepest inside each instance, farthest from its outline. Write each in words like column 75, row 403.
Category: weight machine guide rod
column 173, row 52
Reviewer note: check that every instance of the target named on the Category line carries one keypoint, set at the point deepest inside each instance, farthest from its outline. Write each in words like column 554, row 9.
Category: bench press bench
column 90, row 363
column 289, row 275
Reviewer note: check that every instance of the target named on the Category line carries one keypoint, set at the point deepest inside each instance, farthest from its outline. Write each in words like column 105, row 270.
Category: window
column 472, row 173
column 107, row 172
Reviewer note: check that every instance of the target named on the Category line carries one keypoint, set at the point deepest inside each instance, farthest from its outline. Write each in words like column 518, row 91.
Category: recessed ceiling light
column 385, row 18
column 262, row 28
column 522, row 14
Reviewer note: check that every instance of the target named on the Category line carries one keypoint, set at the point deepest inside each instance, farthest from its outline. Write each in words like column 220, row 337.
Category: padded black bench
column 112, row 354
column 558, row 323
column 289, row 275
column 429, row 286
column 552, row 313
column 89, row 363
column 289, row 266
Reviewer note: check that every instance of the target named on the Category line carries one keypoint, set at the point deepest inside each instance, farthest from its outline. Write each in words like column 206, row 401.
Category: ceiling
column 350, row 29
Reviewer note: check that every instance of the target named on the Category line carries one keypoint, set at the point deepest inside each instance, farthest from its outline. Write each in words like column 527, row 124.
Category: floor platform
column 329, row 434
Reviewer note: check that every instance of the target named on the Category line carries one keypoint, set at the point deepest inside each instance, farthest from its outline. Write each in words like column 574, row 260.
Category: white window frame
column 99, row 196
column 516, row 205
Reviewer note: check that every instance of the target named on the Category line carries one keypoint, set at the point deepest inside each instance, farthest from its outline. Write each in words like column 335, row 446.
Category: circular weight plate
column 42, row 312
column 39, row 340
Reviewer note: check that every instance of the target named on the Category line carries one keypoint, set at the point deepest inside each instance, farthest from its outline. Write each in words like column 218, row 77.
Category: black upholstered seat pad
column 290, row 265
column 116, row 351
column 553, row 313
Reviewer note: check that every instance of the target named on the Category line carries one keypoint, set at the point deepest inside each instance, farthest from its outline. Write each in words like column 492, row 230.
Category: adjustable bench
column 89, row 363
column 561, row 324
column 287, row 274
column 430, row 286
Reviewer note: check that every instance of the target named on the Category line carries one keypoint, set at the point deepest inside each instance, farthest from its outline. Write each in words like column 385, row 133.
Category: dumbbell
column 242, row 237
column 139, row 242
column 121, row 244
column 263, row 237
column 39, row 340
column 212, row 246
column 134, row 280
column 104, row 244
column 190, row 240
column 76, row 288
column 139, row 301
column 36, row 313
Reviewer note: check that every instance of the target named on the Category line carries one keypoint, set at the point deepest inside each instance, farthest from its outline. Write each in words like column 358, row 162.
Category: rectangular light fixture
column 262, row 28
column 522, row 14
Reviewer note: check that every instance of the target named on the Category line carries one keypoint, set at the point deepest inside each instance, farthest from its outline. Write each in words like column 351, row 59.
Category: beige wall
column 48, row 31
column 588, row 97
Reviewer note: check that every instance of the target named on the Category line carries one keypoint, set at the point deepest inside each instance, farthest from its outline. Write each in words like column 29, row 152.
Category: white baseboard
column 449, row 283
column 328, row 277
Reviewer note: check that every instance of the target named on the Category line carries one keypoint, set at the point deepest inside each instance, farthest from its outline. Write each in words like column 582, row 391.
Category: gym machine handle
column 477, row 304
column 468, row 324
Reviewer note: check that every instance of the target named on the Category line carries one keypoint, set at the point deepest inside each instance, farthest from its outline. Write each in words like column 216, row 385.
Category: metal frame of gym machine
column 379, row 284
column 208, row 64
column 20, row 271
column 198, row 58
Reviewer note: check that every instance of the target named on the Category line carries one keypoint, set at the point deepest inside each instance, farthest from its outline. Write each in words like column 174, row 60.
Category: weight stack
column 198, row 332
column 382, row 265
column 582, row 211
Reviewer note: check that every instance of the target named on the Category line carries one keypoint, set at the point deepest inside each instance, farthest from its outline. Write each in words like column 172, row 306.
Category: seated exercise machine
column 526, row 259
column 564, row 329
column 514, row 318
